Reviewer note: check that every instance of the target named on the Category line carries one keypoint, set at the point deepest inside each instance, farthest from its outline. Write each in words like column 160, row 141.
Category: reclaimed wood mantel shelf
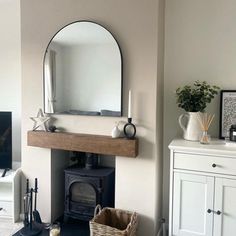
column 99, row 144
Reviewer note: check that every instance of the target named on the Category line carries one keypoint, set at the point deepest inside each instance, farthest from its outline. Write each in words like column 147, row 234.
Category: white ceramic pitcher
column 192, row 131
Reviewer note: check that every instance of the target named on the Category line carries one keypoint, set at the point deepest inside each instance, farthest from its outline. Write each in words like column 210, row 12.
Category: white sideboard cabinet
column 10, row 195
column 202, row 189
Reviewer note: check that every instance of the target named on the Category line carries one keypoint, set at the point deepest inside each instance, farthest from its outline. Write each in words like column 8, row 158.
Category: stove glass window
column 83, row 193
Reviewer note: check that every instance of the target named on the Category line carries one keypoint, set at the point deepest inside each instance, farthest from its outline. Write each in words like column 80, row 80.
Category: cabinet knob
column 209, row 211
column 1, row 208
column 218, row 212
column 214, row 165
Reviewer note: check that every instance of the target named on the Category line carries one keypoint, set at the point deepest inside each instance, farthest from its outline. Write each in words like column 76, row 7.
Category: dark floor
column 79, row 228
column 72, row 228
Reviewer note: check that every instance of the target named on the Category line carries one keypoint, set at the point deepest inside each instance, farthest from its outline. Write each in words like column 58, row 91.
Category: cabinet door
column 225, row 207
column 192, row 197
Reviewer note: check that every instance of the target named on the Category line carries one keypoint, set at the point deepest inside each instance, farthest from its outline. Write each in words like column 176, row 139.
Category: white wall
column 200, row 41
column 135, row 24
column 10, row 69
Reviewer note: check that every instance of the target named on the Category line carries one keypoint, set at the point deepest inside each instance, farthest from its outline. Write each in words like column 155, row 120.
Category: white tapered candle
column 129, row 105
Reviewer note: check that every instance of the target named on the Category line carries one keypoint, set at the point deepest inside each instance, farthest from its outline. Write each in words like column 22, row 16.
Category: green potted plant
column 194, row 99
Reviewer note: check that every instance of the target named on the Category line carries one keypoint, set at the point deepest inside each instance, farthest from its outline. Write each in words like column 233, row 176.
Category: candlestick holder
column 129, row 129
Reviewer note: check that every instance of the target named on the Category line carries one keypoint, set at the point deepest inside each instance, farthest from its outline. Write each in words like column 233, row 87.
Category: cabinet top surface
column 216, row 146
column 8, row 177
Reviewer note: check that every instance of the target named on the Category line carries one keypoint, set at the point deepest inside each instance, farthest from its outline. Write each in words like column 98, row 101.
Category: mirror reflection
column 83, row 72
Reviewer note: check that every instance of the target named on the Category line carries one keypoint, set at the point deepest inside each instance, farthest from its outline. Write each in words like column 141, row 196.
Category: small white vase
column 192, row 131
column 115, row 133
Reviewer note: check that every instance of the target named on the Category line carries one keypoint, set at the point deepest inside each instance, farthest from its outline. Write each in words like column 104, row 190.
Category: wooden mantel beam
column 99, row 144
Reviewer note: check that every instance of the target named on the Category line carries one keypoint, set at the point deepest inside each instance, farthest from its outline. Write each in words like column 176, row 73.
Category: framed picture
column 227, row 111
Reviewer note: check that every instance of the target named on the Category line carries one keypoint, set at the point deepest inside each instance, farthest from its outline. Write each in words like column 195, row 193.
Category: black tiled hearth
column 80, row 228
column 72, row 228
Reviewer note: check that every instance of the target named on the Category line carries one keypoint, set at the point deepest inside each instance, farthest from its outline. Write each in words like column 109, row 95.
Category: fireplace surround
column 85, row 188
column 78, row 142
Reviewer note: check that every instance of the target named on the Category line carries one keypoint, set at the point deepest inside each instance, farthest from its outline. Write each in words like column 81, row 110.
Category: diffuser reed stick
column 205, row 121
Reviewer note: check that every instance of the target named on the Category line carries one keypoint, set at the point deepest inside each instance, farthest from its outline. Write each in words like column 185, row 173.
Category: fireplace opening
column 86, row 186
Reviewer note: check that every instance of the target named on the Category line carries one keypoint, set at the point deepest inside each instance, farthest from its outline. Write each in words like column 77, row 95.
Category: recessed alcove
column 99, row 144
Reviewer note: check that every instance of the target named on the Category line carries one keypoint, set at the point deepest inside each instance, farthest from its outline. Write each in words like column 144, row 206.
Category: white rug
column 7, row 228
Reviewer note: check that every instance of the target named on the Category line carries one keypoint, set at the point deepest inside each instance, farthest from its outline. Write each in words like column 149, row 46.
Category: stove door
column 83, row 198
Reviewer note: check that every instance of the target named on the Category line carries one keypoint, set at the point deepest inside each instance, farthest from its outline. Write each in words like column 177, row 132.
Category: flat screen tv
column 5, row 140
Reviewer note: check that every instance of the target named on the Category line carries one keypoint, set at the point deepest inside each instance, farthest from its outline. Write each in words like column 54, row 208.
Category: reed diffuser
column 205, row 122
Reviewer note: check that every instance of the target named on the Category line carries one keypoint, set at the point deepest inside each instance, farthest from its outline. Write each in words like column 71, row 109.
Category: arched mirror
column 83, row 72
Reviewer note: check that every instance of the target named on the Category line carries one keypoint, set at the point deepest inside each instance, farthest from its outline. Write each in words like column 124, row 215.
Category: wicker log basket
column 113, row 222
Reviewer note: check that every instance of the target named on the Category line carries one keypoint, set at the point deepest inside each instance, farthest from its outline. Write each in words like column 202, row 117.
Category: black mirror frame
column 121, row 58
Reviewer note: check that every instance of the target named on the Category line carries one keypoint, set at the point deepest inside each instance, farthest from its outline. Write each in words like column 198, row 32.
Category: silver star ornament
column 40, row 121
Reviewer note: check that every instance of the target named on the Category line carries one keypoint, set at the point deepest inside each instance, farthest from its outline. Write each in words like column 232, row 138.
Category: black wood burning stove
column 85, row 188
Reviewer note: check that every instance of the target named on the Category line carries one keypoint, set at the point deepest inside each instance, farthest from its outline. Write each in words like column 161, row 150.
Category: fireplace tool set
column 32, row 220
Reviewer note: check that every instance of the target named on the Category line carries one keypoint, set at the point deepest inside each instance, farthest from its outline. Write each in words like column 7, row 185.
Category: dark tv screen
column 5, row 140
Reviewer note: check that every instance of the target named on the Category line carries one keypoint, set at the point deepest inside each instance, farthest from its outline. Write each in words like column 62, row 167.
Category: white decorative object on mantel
column 129, row 105
column 40, row 120
column 202, row 189
column 115, row 133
